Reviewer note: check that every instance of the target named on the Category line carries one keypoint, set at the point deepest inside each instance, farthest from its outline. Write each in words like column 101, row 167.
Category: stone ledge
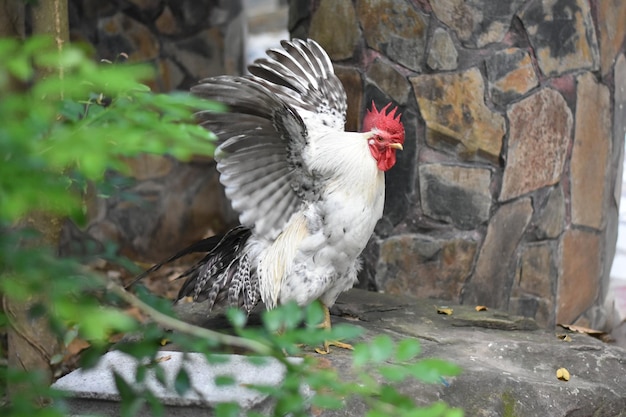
column 508, row 364
column 94, row 391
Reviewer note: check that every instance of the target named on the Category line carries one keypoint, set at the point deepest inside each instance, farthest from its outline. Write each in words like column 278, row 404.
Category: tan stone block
column 478, row 22
column 352, row 83
column 335, row 27
column 144, row 46
column 537, row 271
column 511, row 74
column 590, row 154
column 170, row 75
column 539, row 137
column 148, row 166
column 562, row 34
column 494, row 273
column 549, row 219
column 442, row 54
column 453, row 106
column 619, row 122
column 612, row 30
column 424, row 267
column 579, row 283
column 389, row 80
column 456, row 194
column 166, row 22
column 395, row 28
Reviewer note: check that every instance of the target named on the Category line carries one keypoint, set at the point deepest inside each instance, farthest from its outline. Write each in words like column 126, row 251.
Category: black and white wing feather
column 302, row 74
column 263, row 135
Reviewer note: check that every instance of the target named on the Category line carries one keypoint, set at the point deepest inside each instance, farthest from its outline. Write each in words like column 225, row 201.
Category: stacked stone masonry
column 507, row 192
column 174, row 203
column 507, row 195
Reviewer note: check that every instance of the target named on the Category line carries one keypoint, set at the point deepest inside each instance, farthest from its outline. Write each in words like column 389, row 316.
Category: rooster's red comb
column 388, row 121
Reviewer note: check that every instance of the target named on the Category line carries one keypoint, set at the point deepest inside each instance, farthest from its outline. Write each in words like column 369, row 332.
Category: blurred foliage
column 57, row 133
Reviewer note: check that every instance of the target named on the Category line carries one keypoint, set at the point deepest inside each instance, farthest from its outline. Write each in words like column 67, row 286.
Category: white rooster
column 308, row 193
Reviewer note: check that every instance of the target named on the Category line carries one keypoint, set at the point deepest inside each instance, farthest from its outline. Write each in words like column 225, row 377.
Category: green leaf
column 314, row 314
column 156, row 404
column 389, row 395
column 272, row 320
column 236, row 317
column 344, row 331
column 227, row 410
column 454, row 412
column 124, row 389
column 91, row 356
column 360, row 354
column 432, row 370
column 329, row 402
column 99, row 323
column 407, row 349
column 438, row 409
column 224, row 380
column 257, row 360
column 393, row 373
column 182, row 382
column 161, row 376
column 381, row 348
column 376, row 413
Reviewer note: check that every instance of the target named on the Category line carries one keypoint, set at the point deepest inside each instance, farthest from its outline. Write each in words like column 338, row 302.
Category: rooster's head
column 387, row 135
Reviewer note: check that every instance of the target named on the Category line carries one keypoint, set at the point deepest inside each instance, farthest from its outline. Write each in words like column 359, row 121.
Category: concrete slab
column 94, row 391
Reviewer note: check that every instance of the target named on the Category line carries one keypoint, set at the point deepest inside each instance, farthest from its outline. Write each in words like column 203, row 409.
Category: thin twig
column 186, row 328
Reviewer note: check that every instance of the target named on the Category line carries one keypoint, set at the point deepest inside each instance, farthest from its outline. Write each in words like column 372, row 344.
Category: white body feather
column 316, row 254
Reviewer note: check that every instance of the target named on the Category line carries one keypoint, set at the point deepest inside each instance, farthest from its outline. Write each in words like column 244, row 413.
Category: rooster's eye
column 379, row 138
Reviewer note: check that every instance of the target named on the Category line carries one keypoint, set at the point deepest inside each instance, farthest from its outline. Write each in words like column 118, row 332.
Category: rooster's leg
column 328, row 343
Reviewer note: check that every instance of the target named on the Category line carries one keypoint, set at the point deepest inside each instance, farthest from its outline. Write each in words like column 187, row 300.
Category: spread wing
column 302, row 74
column 264, row 133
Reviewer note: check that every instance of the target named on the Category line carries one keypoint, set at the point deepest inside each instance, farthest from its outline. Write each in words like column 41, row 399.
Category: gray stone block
column 94, row 391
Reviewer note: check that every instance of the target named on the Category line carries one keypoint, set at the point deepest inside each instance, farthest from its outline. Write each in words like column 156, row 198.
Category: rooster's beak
column 396, row 145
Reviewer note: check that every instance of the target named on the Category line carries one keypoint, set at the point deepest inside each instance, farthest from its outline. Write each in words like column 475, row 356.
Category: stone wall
column 173, row 203
column 507, row 192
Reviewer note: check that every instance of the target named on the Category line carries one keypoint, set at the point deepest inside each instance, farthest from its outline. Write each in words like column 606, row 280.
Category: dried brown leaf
column 562, row 374
column 445, row 310
column 564, row 337
column 582, row 329
column 163, row 358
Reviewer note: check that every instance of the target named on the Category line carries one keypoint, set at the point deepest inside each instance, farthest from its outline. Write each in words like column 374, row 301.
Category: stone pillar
column 507, row 192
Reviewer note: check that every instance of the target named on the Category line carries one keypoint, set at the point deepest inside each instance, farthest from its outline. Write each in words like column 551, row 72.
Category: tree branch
column 190, row 329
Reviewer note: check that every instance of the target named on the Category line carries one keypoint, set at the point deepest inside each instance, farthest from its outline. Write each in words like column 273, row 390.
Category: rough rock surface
column 508, row 365
column 492, row 281
column 477, row 22
column 534, row 290
column 395, row 28
column 590, row 155
column 567, row 45
column 442, row 54
column 455, row 194
column 580, row 283
column 459, row 118
column 441, row 265
column 538, row 143
column 511, row 74
column 330, row 14
column 611, row 18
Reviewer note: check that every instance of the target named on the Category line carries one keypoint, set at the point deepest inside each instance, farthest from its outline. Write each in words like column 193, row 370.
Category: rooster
column 309, row 194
